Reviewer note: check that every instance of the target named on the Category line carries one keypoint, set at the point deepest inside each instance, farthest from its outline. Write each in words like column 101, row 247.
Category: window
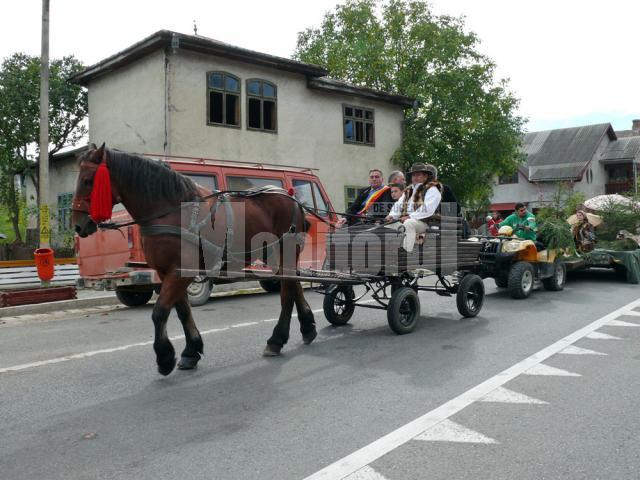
column 223, row 99
column 261, row 105
column 358, row 125
column 507, row 179
column 308, row 193
column 321, row 203
column 350, row 194
column 64, row 211
column 244, row 183
column 210, row 182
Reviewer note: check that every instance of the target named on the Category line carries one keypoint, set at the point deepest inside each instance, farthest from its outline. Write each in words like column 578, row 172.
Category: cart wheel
column 470, row 296
column 403, row 310
column 521, row 278
column 559, row 278
column 338, row 304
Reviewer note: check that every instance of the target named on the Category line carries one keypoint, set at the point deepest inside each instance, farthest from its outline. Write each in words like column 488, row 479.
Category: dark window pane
column 269, row 90
column 254, row 88
column 359, row 132
column 215, row 80
column 207, row 181
column 243, row 183
column 348, row 111
column 269, row 115
column 233, row 113
column 358, row 113
column 351, row 192
column 369, row 133
column 254, row 113
column 348, row 129
column 368, row 114
column 232, row 84
column 215, row 107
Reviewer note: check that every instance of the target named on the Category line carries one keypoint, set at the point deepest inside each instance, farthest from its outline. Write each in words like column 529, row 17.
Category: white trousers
column 412, row 228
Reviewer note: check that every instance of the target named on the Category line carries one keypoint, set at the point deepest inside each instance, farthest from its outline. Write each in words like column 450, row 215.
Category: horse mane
column 150, row 178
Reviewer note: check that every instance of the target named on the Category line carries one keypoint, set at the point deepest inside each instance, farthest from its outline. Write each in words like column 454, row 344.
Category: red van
column 114, row 260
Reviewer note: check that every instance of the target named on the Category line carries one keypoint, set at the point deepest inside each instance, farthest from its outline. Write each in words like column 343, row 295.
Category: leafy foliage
column 564, row 203
column 465, row 121
column 617, row 217
column 556, row 234
column 20, row 120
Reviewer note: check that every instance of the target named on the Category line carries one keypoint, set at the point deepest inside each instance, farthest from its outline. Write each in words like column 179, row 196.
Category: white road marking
column 620, row 323
column 573, row 350
column 546, row 370
column 601, row 336
column 246, row 324
column 366, row 473
column 504, row 395
column 448, row 431
column 633, row 313
column 376, row 449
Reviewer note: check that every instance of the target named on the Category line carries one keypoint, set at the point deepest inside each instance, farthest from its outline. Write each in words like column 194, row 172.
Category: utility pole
column 43, row 181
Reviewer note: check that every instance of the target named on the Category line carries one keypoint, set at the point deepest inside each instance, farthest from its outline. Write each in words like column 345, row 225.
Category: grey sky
column 570, row 62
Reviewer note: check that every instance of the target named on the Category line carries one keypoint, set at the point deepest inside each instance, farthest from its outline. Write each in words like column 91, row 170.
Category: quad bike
column 517, row 264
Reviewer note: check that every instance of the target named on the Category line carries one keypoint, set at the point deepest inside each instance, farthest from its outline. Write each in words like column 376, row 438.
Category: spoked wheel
column 470, row 296
column 403, row 310
column 339, row 304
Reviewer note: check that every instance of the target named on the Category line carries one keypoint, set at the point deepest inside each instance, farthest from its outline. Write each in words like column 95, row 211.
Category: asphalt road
column 80, row 397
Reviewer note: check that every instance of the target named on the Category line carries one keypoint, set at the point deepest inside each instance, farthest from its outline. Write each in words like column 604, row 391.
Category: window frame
column 355, row 119
column 224, row 92
column 347, row 201
column 261, row 98
column 509, row 180
column 63, row 211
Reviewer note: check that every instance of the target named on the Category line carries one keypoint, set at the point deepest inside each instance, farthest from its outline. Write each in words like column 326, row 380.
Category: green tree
column 20, row 119
column 465, row 121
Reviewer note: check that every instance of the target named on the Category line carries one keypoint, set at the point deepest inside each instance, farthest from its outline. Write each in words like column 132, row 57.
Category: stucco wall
column 126, row 108
column 309, row 125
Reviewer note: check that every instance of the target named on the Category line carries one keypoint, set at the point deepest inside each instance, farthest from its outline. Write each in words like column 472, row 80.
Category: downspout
column 167, row 93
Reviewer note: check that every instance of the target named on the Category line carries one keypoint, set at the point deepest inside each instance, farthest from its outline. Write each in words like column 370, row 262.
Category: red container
column 44, row 263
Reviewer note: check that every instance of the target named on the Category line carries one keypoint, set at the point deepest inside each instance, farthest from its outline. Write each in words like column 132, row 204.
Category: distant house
column 593, row 159
column 185, row 95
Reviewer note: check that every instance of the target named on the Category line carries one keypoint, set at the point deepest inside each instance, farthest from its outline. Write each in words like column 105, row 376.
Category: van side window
column 304, row 193
column 210, row 182
column 321, row 204
column 244, row 183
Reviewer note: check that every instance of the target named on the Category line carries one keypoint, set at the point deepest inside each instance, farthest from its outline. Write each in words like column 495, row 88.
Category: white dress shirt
column 429, row 205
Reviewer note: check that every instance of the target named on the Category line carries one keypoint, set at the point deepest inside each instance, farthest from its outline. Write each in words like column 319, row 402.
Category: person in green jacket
column 523, row 223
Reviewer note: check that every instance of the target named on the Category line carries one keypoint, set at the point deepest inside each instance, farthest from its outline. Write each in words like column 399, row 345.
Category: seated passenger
column 522, row 222
column 419, row 202
column 373, row 202
column 583, row 233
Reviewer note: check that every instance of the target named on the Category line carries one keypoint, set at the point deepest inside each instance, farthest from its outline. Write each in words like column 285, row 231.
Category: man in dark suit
column 373, row 202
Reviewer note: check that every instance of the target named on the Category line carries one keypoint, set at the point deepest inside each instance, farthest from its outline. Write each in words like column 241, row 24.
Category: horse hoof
column 166, row 368
column 309, row 337
column 271, row 351
column 188, row 363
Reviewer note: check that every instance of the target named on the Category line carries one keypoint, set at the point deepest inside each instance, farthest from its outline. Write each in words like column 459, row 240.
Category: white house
column 187, row 95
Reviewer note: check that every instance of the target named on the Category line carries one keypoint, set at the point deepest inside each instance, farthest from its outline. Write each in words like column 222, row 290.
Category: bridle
column 83, row 204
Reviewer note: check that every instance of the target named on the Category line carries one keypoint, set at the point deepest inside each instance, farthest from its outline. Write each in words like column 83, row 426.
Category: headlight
column 512, row 246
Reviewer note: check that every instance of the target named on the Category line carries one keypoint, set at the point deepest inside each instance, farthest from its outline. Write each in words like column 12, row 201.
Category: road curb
column 49, row 307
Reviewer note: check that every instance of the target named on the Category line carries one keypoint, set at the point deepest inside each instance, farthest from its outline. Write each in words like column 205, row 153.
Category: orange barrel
column 44, row 263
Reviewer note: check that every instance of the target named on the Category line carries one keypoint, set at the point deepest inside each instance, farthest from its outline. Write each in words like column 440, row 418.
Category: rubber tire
column 551, row 283
column 469, row 282
column 198, row 294
column 399, row 299
column 516, row 273
column 134, row 298
column 329, row 304
column 271, row 286
column 501, row 282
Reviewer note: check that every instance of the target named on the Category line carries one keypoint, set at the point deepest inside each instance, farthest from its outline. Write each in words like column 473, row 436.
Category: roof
column 330, row 85
column 563, row 154
column 196, row 43
column 623, row 149
column 167, row 39
column 70, row 153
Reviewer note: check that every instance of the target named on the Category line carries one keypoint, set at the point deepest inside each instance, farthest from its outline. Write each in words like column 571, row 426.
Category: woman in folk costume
column 583, row 234
column 420, row 201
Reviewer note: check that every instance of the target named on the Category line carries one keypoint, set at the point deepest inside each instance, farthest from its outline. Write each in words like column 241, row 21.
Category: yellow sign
column 45, row 227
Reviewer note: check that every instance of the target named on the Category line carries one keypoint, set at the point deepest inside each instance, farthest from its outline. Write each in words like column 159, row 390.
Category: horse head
column 88, row 161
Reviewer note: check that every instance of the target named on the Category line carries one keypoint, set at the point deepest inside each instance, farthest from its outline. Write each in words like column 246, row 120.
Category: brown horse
column 155, row 196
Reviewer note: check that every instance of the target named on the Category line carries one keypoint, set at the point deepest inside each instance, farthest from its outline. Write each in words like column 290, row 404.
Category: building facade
column 183, row 95
column 591, row 159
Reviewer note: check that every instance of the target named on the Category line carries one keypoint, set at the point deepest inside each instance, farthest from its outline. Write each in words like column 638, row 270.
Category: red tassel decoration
column 101, row 199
